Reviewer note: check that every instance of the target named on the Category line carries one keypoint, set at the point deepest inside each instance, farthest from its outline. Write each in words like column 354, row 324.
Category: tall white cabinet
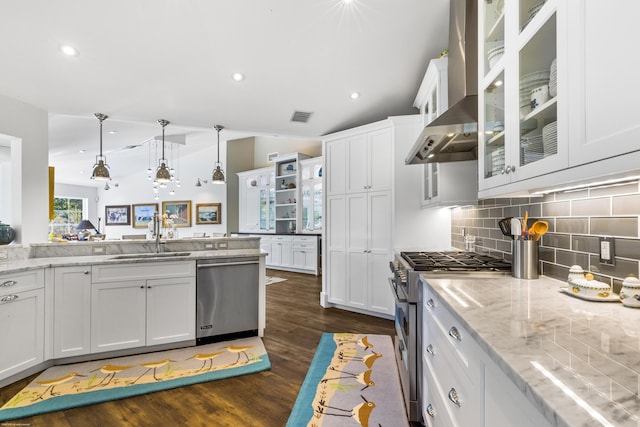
column 359, row 219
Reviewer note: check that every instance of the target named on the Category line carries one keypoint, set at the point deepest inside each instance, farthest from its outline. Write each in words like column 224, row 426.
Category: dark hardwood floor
column 295, row 322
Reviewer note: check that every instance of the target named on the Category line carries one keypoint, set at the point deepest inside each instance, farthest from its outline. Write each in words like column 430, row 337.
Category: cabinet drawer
column 309, row 240
column 304, row 245
column 17, row 282
column 443, row 329
column 142, row 271
column 434, row 410
column 281, row 239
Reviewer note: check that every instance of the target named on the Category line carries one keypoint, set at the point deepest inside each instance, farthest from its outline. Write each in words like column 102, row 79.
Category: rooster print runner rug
column 352, row 381
column 80, row 384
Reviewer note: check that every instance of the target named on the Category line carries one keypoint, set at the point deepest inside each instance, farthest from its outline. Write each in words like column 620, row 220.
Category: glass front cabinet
column 311, row 179
column 520, row 94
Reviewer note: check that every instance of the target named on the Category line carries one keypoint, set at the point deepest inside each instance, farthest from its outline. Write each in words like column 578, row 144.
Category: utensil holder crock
column 524, row 263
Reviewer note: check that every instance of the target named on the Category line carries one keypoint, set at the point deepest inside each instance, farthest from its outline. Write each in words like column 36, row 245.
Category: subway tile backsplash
column 577, row 219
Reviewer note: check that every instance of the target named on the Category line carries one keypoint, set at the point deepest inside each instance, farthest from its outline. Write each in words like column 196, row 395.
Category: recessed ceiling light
column 82, row 151
column 112, row 132
column 237, row 77
column 347, row 1
column 355, row 95
column 69, row 50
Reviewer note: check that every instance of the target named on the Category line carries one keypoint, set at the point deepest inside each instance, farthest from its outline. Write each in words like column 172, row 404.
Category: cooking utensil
column 538, row 229
column 524, row 222
column 516, row 226
column 505, row 226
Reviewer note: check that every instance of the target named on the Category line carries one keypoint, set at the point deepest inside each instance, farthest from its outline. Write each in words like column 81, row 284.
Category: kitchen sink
column 151, row 255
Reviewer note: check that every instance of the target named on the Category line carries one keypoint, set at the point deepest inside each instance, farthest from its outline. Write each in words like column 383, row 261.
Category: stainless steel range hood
column 453, row 136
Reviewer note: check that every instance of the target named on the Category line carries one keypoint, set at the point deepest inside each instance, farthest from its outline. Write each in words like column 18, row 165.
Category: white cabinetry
column 311, row 182
column 257, row 201
column 461, row 385
column 287, row 176
column 22, row 319
column 586, row 129
column 155, row 304
column 72, row 311
column 292, row 253
column 359, row 219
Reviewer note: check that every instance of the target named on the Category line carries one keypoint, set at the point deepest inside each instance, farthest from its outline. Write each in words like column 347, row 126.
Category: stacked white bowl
column 495, row 53
column 497, row 161
column 529, row 82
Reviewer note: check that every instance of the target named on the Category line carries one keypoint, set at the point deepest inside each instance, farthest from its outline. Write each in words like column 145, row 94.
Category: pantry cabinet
column 72, row 311
column 22, row 314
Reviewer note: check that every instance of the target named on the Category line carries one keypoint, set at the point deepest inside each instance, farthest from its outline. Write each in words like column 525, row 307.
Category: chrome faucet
column 156, row 230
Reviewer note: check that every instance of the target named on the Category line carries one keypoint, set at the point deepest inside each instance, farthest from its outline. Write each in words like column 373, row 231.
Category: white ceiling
column 143, row 60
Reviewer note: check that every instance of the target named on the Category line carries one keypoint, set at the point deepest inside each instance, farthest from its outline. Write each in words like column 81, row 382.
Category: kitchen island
column 529, row 350
column 70, row 302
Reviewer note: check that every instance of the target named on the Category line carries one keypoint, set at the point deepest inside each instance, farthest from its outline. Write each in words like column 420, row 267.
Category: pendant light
column 162, row 173
column 218, row 175
column 100, row 168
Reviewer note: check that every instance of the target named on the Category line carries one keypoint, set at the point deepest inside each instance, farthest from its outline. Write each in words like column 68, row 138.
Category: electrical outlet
column 99, row 250
column 607, row 251
column 222, row 245
column 208, row 245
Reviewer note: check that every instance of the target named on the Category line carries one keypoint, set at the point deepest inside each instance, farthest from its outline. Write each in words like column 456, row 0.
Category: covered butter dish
column 589, row 287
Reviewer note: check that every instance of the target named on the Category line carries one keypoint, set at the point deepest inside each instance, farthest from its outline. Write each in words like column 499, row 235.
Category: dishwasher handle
column 225, row 264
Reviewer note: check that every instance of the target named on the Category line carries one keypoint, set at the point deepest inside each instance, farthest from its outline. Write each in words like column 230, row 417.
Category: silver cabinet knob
column 431, row 411
column 453, row 332
column 8, row 283
column 430, row 350
column 430, row 303
column 85, row 272
column 453, row 396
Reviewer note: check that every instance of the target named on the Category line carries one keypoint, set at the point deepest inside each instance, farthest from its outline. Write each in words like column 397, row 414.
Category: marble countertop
column 577, row 361
column 15, row 266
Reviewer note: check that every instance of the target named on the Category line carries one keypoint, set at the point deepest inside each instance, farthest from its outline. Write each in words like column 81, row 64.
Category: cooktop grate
column 454, row 261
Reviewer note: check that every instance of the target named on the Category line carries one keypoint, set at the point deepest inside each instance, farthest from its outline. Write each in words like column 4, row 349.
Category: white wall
column 27, row 129
column 416, row 228
column 137, row 189
column 5, row 182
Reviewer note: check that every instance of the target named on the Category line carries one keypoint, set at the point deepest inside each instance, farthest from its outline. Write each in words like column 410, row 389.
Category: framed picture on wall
column 143, row 214
column 117, row 215
column 208, row 213
column 178, row 212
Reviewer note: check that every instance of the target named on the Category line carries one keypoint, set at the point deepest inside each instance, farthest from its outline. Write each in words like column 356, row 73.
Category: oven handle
column 395, row 292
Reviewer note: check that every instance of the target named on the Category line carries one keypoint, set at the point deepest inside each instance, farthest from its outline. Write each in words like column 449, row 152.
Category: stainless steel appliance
column 226, row 298
column 406, row 269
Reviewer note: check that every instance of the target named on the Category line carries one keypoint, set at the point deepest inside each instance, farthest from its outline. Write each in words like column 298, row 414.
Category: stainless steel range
column 406, row 269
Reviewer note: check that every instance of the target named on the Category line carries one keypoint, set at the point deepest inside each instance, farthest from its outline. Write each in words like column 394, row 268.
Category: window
column 68, row 212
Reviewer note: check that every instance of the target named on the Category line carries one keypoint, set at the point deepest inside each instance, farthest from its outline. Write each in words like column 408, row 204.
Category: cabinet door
column 22, row 331
column 603, row 87
column 357, row 167
column 380, row 164
column 357, row 246
column 265, row 245
column 336, row 158
column 171, row 310
column 250, row 211
column 379, row 249
column 118, row 315
column 336, row 249
column 72, row 311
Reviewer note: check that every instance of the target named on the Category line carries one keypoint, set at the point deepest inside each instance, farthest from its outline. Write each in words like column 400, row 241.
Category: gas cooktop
column 454, row 261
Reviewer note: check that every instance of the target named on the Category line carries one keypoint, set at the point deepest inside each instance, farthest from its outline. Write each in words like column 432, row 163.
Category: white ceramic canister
column 630, row 292
column 539, row 96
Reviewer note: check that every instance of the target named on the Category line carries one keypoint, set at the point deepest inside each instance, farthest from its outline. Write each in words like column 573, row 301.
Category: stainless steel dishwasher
column 226, row 298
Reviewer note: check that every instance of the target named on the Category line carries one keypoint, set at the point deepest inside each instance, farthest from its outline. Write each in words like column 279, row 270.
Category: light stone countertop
column 16, row 266
column 592, row 349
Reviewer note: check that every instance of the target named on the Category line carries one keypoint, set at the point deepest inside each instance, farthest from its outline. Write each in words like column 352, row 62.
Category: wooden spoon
column 538, row 229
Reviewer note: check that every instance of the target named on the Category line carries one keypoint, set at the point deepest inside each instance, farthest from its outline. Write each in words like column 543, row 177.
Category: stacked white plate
column 497, row 161
column 550, row 138
column 528, row 82
column 553, row 79
column 532, row 13
column 533, row 148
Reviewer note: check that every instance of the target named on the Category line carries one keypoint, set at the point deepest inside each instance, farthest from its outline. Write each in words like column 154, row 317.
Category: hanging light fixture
column 162, row 173
column 218, row 175
column 100, row 168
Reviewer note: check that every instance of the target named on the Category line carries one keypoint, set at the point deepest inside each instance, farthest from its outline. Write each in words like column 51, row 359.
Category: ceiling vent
column 300, row 117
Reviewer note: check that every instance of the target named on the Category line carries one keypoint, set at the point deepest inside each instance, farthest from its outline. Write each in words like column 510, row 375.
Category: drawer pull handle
column 453, row 396
column 9, row 283
column 8, row 298
column 430, row 350
column 453, row 332
column 431, row 411
column 430, row 303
